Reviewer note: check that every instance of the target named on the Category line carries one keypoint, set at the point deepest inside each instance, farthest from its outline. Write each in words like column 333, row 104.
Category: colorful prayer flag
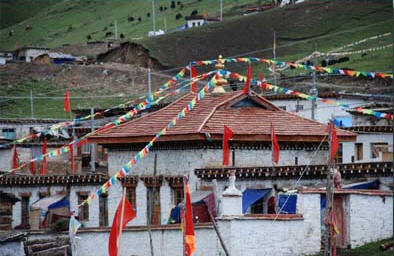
column 228, row 134
column 128, row 215
column 190, row 240
column 15, row 158
column 194, row 74
column 248, row 79
column 44, row 160
column 66, row 102
column 275, row 146
column 334, row 142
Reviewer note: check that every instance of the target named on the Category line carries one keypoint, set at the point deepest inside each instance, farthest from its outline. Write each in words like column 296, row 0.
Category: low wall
column 370, row 219
column 12, row 249
column 289, row 235
column 167, row 240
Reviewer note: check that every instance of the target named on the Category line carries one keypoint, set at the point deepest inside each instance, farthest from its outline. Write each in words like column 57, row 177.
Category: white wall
column 165, row 242
column 349, row 148
column 371, row 218
column 197, row 23
column 12, row 249
column 252, row 236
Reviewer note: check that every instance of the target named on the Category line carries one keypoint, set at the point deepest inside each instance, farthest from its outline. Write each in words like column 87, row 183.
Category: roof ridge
column 215, row 108
column 147, row 115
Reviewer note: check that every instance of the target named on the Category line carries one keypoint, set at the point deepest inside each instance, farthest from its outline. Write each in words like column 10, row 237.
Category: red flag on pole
column 71, row 147
column 334, row 142
column 66, row 102
column 228, row 134
column 275, row 146
column 32, row 165
column 128, row 215
column 43, row 170
column 248, row 79
column 15, row 158
column 194, row 74
column 190, row 240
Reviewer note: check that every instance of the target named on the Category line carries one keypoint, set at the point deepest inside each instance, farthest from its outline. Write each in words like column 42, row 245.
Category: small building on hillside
column 6, row 56
column 29, row 53
column 198, row 21
column 55, row 58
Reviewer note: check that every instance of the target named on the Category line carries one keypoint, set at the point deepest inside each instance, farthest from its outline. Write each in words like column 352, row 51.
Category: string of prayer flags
column 125, row 170
column 347, row 72
column 279, row 89
column 122, row 119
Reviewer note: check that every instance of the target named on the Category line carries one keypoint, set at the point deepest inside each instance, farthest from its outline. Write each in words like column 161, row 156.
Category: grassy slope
column 14, row 11
column 370, row 249
column 70, row 21
column 293, row 25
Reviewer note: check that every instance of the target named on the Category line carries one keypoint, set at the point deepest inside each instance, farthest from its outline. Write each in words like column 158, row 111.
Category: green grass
column 49, row 107
column 70, row 21
column 370, row 249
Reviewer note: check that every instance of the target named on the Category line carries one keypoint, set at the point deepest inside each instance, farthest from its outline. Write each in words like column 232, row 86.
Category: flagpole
column 183, row 222
column 121, row 218
column 329, row 197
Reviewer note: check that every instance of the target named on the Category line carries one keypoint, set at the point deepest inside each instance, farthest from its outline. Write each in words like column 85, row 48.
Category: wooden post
column 329, row 198
column 215, row 227
column 150, row 210
column 121, row 218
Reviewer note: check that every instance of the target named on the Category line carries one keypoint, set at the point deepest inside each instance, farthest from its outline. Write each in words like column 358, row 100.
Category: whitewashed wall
column 134, row 242
column 252, row 236
column 370, row 218
column 349, row 148
column 323, row 112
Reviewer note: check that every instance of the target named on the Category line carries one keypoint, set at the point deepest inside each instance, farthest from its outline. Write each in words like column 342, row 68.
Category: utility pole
column 329, row 197
column 274, row 56
column 116, row 30
column 153, row 17
column 165, row 24
column 314, row 93
column 221, row 10
column 92, row 146
column 149, row 82
column 31, row 104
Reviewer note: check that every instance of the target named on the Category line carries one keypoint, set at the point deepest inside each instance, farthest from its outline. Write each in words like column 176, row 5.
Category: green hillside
column 14, row 11
column 71, row 21
column 300, row 29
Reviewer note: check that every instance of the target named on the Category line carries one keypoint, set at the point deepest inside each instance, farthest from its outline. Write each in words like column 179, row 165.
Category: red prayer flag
column 32, row 168
column 43, row 170
column 248, row 79
column 15, row 158
column 334, row 142
column 275, row 146
column 228, row 134
column 190, row 240
column 194, row 74
column 128, row 215
column 71, row 147
column 66, row 102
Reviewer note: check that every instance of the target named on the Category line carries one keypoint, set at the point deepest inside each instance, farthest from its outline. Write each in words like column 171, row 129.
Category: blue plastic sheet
column 250, row 196
column 288, row 203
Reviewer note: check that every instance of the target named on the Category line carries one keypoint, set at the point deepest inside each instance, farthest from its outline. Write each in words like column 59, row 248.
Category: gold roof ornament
column 220, row 82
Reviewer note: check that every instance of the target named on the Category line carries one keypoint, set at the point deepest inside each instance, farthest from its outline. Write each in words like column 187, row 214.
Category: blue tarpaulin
column 291, row 203
column 364, row 185
column 62, row 203
column 250, row 196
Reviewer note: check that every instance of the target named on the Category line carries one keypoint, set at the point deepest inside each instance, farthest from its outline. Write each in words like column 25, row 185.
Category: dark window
column 359, row 151
column 103, row 205
column 153, row 202
column 83, row 211
column 378, row 147
column 296, row 160
column 339, row 156
column 282, row 107
column 130, row 195
column 9, row 133
column 257, row 207
column 299, row 107
column 25, row 211
column 178, row 195
column 247, row 102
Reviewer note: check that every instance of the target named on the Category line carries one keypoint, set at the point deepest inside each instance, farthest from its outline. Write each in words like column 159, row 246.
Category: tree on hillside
column 139, row 19
column 194, row 12
column 172, row 4
column 178, row 16
column 148, row 14
column 130, row 19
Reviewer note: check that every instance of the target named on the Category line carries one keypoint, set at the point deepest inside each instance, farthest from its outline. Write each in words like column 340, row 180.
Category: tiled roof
column 269, row 172
column 250, row 121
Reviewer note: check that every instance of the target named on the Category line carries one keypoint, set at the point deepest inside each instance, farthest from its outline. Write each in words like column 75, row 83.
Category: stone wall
column 370, row 218
column 12, row 249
